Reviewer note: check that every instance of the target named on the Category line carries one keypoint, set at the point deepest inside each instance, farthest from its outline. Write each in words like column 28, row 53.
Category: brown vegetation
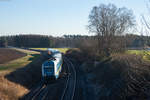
column 119, row 77
column 9, row 54
column 29, row 75
column 15, row 84
column 127, row 75
column 10, row 90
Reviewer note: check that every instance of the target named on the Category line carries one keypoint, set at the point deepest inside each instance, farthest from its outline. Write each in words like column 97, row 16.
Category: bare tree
column 142, row 29
column 146, row 20
column 108, row 21
column 146, row 24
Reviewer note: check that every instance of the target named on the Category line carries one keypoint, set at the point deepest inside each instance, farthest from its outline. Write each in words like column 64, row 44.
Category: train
column 52, row 67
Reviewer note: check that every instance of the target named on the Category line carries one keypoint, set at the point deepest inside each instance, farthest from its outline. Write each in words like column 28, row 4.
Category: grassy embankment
column 20, row 62
column 18, row 76
column 63, row 50
column 128, row 74
column 144, row 53
column 10, row 90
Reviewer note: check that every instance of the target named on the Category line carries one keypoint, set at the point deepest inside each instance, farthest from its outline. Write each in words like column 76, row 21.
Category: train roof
column 57, row 55
column 53, row 50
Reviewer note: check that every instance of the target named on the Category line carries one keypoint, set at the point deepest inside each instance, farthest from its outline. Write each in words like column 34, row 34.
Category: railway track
column 69, row 90
column 39, row 93
column 43, row 92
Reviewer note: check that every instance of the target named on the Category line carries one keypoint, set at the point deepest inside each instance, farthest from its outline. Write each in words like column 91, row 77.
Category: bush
column 123, row 77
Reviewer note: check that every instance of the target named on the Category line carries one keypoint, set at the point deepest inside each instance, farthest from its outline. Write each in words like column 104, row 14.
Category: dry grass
column 63, row 50
column 29, row 75
column 10, row 90
column 144, row 53
column 119, row 77
column 127, row 75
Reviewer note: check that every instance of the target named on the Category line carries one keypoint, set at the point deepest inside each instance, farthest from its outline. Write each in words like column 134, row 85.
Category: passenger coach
column 52, row 67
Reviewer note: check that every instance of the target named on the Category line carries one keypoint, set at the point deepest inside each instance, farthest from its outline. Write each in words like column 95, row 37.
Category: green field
column 63, row 50
column 144, row 53
column 23, row 61
column 20, row 62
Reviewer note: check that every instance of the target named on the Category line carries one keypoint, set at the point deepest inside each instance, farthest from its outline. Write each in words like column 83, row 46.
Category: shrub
column 123, row 77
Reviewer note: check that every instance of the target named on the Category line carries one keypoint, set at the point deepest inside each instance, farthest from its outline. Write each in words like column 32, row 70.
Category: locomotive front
column 48, row 70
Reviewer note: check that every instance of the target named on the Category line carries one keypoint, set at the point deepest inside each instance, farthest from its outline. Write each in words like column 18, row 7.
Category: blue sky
column 55, row 17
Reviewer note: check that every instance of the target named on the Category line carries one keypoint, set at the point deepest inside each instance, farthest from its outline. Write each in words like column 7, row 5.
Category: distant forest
column 45, row 41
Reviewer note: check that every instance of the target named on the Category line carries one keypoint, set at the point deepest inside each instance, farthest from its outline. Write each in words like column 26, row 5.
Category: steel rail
column 75, row 77
column 37, row 92
column 67, row 82
column 68, row 62
column 44, row 94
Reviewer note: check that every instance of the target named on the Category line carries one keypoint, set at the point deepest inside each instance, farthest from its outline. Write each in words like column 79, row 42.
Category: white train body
column 51, row 68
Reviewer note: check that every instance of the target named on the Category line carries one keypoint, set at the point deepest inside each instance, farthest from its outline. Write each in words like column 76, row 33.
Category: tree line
column 40, row 41
column 45, row 41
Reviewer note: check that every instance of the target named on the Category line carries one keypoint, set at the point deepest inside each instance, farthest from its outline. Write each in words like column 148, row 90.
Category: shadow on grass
column 29, row 75
column 17, row 64
column 34, row 56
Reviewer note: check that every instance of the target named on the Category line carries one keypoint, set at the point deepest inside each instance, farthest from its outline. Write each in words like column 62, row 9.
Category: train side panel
column 58, row 68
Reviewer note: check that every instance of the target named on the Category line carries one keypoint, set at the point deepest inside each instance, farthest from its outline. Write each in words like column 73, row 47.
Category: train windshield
column 48, row 64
